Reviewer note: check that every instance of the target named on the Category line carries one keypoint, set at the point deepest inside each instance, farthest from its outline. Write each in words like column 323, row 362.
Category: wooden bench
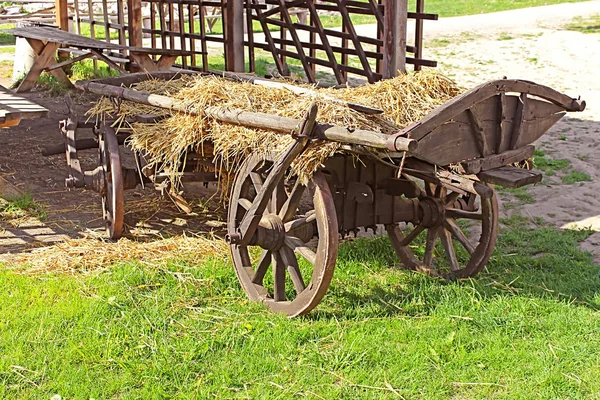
column 46, row 41
column 15, row 108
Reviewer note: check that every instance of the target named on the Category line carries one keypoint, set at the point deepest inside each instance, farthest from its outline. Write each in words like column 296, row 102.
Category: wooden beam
column 234, row 36
column 518, row 120
column 394, row 37
column 478, row 132
column 62, row 14
column 134, row 14
column 251, row 119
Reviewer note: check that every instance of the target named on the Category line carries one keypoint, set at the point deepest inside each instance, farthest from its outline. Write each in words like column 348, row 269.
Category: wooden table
column 15, row 108
column 45, row 42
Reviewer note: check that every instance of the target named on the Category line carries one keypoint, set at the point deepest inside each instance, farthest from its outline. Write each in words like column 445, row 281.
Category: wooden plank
column 511, row 177
column 394, row 37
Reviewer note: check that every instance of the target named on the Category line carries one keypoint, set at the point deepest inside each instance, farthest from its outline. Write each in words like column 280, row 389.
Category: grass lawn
column 455, row 8
column 527, row 327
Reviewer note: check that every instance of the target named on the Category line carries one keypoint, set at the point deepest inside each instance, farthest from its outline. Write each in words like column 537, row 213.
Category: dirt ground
column 77, row 212
column 517, row 44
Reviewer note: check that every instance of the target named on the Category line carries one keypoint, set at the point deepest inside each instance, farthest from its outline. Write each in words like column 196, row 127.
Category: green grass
column 548, row 165
column 527, row 327
column 589, row 24
column 447, row 8
column 21, row 206
column 7, row 38
column 575, row 177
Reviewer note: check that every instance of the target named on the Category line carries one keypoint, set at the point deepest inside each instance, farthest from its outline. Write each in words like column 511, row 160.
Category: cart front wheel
column 113, row 202
column 296, row 240
column 465, row 225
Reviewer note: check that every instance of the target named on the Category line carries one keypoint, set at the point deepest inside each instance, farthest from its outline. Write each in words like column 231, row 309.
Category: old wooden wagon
column 431, row 185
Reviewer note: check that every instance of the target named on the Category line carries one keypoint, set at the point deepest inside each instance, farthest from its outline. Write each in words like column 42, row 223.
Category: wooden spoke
column 289, row 258
column 300, row 247
column 245, row 203
column 451, row 198
column 300, row 222
column 262, row 267
column 278, row 278
column 411, row 236
column 257, row 181
column 429, row 189
column 457, row 214
column 432, row 235
column 279, row 198
column 291, row 204
column 446, row 238
column 458, row 234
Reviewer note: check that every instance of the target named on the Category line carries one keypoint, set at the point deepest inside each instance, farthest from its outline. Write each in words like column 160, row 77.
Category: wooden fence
column 232, row 35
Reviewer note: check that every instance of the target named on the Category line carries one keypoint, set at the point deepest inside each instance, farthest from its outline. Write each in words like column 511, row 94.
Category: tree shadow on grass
column 541, row 263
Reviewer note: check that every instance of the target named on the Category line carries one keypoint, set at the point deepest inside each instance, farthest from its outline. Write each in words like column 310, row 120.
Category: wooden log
column 297, row 90
column 251, row 119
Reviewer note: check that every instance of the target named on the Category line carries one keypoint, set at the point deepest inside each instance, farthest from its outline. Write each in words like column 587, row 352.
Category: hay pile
column 405, row 99
column 88, row 255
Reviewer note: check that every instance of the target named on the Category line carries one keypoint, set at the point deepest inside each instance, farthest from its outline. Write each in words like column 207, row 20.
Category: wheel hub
column 270, row 233
column 432, row 212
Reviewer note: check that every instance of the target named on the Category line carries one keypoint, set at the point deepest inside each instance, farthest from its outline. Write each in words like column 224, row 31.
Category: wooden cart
column 430, row 185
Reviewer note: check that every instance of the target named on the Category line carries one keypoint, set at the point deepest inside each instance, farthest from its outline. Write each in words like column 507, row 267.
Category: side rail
column 488, row 126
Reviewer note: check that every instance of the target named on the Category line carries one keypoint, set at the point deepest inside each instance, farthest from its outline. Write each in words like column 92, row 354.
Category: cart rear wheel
column 113, row 202
column 297, row 239
column 465, row 226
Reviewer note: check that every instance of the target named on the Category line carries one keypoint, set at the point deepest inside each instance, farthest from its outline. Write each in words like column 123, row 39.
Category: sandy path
column 530, row 44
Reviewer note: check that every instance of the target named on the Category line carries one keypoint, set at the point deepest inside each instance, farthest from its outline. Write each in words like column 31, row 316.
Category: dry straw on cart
column 404, row 100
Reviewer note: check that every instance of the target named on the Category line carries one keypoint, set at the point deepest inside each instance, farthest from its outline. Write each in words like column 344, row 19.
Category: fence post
column 62, row 14
column 134, row 22
column 234, row 36
column 394, row 37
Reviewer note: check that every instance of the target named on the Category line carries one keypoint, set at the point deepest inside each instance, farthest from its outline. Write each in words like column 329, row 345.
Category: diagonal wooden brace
column 252, row 218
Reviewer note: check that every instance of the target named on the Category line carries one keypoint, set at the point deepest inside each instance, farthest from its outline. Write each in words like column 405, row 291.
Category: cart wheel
column 466, row 226
column 113, row 202
column 285, row 240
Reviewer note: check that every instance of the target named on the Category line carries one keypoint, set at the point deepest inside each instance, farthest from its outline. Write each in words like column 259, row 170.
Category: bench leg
column 45, row 58
column 146, row 64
